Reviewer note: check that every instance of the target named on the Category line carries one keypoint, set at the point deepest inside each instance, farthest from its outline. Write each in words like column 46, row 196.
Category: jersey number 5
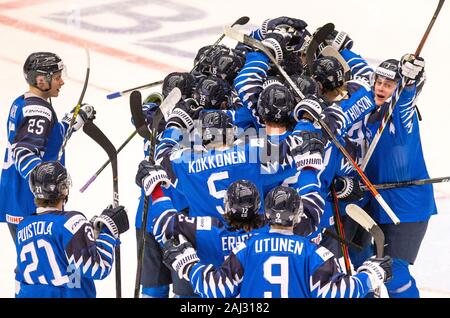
column 217, row 176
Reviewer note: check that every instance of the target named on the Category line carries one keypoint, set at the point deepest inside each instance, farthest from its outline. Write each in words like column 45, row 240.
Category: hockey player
column 58, row 254
column 213, row 239
column 34, row 134
column 276, row 264
column 401, row 140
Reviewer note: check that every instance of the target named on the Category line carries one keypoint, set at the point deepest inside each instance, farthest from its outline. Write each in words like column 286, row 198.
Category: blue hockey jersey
column 34, row 135
column 277, row 264
column 398, row 157
column 58, row 256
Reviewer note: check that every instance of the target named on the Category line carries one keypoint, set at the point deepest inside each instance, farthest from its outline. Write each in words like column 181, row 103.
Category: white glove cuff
column 183, row 116
column 375, row 272
column 310, row 106
column 108, row 222
column 264, row 27
column 307, row 160
column 153, row 179
column 346, row 190
column 275, row 47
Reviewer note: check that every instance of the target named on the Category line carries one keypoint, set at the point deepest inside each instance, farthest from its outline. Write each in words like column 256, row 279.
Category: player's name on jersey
column 361, row 105
column 33, row 229
column 217, row 160
column 278, row 244
column 230, row 242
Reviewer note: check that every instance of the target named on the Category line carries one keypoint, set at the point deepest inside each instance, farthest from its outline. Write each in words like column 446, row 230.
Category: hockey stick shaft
column 77, row 108
column 398, row 93
column 258, row 45
column 99, row 137
column 340, row 230
column 97, row 173
column 394, row 185
column 345, row 241
column 139, row 120
column 241, row 21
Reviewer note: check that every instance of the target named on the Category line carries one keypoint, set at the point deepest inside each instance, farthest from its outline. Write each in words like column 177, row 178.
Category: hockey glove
column 338, row 40
column 149, row 176
column 311, row 105
column 277, row 41
column 184, row 114
column 179, row 255
column 115, row 220
column 348, row 189
column 272, row 24
column 307, row 149
column 316, row 107
column 378, row 269
column 86, row 112
column 411, row 68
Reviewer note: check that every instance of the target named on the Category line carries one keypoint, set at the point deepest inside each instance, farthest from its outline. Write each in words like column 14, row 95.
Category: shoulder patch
column 75, row 222
column 204, row 223
column 324, row 253
column 37, row 110
column 239, row 247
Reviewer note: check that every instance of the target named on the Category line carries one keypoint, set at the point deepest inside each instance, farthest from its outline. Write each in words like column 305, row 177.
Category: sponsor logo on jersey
column 204, row 223
column 13, row 219
column 37, row 110
column 324, row 253
column 75, row 223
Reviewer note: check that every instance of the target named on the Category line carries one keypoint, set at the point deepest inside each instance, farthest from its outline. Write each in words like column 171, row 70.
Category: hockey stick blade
column 362, row 218
column 136, row 114
column 318, row 38
column 331, row 51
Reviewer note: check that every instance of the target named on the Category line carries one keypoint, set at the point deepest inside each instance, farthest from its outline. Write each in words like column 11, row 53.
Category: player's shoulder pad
column 75, row 220
column 324, row 253
column 204, row 223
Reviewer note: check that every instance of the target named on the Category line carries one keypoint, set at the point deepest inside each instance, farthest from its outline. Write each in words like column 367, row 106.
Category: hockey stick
column 97, row 173
column 99, row 137
column 77, row 108
column 331, row 51
column 340, row 230
column 236, row 35
column 317, row 38
column 394, row 185
column 138, row 118
column 362, row 218
column 387, row 115
column 152, row 98
column 241, row 21
column 335, row 236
